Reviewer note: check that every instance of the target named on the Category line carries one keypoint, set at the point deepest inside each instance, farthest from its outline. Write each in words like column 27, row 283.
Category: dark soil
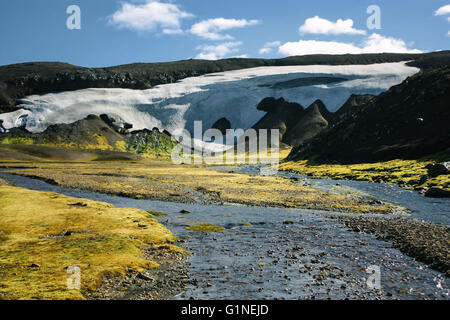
column 162, row 283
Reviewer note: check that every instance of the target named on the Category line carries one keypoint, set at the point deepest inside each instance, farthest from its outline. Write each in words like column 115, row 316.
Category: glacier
column 233, row 95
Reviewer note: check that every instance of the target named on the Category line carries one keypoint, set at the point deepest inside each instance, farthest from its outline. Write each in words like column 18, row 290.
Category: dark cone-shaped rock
column 222, row 125
column 313, row 122
column 280, row 115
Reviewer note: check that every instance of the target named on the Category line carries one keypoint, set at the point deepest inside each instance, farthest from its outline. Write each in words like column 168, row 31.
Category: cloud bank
column 374, row 44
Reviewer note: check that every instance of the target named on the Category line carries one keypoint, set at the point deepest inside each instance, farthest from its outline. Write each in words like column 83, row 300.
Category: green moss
column 152, row 214
column 17, row 140
column 402, row 172
column 121, row 146
column 151, row 144
column 205, row 227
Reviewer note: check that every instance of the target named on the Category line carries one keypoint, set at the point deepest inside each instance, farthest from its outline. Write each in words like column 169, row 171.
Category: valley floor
column 297, row 213
column 161, row 180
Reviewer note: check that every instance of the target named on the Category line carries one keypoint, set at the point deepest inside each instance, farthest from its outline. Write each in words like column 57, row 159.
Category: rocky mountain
column 409, row 121
column 315, row 119
column 281, row 115
column 298, row 125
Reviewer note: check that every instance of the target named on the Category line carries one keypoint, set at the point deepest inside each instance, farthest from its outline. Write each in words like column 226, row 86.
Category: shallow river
column 422, row 208
column 274, row 253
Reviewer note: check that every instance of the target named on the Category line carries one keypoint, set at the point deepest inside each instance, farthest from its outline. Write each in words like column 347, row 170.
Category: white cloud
column 241, row 56
column 317, row 25
column 265, row 50
column 220, row 51
column 172, row 31
column 443, row 10
column 373, row 44
column 150, row 16
column 272, row 44
column 211, row 29
column 304, row 47
column 269, row 47
column 378, row 44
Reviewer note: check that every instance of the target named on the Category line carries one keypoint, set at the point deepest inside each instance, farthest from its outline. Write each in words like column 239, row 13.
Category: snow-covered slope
column 233, row 95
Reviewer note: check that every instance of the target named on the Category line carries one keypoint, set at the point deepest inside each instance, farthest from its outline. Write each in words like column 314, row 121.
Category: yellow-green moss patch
column 17, row 140
column 403, row 172
column 205, row 227
column 5, row 183
column 45, row 233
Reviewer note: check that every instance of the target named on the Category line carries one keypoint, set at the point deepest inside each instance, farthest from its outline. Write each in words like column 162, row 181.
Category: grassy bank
column 162, row 180
column 406, row 173
column 42, row 234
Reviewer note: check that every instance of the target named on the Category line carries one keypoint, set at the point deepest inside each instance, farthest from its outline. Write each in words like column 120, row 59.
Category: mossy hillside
column 17, row 140
column 47, row 233
column 150, row 144
column 91, row 141
column 407, row 173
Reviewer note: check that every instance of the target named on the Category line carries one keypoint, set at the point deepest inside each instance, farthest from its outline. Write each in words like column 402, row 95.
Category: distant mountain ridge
column 20, row 80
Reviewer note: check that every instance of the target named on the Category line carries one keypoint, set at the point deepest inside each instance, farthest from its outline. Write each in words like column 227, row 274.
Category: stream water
column 420, row 207
column 275, row 253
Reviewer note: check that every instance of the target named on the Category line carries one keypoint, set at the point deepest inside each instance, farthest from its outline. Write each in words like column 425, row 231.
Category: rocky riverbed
column 274, row 253
column 426, row 242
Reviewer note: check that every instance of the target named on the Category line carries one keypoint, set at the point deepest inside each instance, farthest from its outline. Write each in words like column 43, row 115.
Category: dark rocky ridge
column 409, row 121
column 20, row 80
column 298, row 125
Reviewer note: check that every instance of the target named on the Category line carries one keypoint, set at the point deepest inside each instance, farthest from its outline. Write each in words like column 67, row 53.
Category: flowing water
column 420, row 207
column 275, row 253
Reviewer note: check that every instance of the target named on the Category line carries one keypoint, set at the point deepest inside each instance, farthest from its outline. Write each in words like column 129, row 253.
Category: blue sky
column 119, row 32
